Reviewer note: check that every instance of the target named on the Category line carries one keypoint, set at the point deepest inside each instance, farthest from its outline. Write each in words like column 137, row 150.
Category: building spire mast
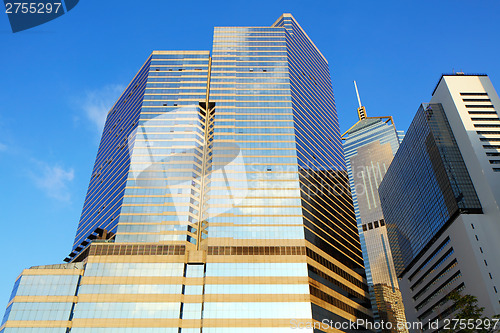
column 361, row 109
column 357, row 93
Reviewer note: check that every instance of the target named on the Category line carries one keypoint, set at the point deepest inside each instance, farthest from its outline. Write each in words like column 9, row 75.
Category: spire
column 361, row 109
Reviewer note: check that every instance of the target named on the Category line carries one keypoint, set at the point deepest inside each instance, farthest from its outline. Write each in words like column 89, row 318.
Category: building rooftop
column 456, row 74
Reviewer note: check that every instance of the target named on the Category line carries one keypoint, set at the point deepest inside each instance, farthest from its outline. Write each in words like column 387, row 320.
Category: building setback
column 369, row 146
column 219, row 201
column 440, row 199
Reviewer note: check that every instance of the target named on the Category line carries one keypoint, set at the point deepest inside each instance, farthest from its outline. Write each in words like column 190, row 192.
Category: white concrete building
column 461, row 249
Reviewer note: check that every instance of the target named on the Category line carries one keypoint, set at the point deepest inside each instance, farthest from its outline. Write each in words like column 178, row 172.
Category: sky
column 58, row 80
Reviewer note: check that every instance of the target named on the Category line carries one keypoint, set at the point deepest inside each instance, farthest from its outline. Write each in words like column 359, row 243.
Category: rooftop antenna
column 361, row 109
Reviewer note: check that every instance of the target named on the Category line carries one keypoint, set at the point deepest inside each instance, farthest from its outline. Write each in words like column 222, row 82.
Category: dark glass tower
column 219, row 201
column 430, row 167
column 437, row 222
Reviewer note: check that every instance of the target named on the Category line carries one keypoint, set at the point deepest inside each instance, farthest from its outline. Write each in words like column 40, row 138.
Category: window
column 487, row 132
column 496, row 169
column 478, row 106
column 370, row 226
column 482, row 112
column 364, row 227
column 486, row 125
column 485, row 119
column 382, row 222
column 375, row 224
column 472, row 225
column 494, row 161
column 476, row 100
column 474, row 94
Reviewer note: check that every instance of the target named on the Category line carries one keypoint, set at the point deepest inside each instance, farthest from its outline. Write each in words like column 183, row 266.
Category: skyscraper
column 440, row 198
column 218, row 201
column 369, row 146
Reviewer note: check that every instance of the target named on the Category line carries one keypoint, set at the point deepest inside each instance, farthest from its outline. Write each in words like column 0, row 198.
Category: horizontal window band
column 479, row 106
column 125, row 249
column 474, row 94
column 476, row 100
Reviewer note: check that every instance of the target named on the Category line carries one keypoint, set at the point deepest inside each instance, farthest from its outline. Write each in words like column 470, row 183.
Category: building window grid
column 440, row 303
column 429, row 124
column 439, row 290
column 432, row 269
column 429, row 259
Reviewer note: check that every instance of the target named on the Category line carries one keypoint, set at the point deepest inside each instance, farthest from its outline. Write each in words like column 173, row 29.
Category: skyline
column 39, row 172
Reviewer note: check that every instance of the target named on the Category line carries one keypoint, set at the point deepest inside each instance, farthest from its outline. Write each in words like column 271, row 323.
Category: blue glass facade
column 257, row 194
column 162, row 195
column 40, row 297
column 426, row 186
column 107, row 184
column 320, row 159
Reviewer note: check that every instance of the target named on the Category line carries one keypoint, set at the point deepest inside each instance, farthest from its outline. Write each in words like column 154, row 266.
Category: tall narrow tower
column 219, row 201
column 369, row 147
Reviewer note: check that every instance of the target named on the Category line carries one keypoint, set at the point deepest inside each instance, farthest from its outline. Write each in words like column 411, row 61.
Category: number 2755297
column 32, row 7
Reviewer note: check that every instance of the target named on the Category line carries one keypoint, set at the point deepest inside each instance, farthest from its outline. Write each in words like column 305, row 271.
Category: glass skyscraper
column 219, row 202
column 440, row 201
column 438, row 175
column 369, row 147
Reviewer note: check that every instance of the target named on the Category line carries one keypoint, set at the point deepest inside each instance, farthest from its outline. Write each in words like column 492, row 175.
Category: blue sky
column 58, row 80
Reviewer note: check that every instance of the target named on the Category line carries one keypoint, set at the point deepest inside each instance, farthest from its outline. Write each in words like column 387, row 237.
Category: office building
column 219, row 201
column 369, row 146
column 440, row 200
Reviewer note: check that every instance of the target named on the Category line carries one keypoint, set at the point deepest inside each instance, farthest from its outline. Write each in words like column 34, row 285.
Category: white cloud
column 97, row 103
column 53, row 180
column 3, row 147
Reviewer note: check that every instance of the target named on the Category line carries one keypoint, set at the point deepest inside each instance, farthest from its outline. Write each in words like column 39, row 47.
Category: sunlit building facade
column 219, row 202
column 369, row 147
